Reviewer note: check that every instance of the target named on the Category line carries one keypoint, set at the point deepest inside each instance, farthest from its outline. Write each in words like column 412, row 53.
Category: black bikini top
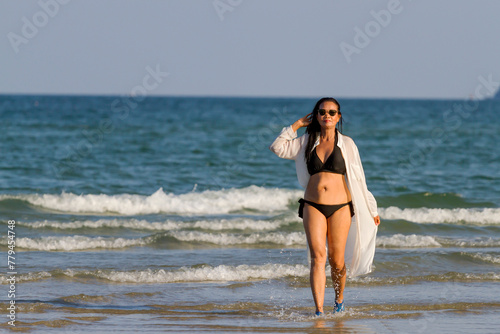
column 334, row 164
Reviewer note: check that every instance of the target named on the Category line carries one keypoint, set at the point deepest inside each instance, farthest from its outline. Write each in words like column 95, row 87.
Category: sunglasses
column 323, row 112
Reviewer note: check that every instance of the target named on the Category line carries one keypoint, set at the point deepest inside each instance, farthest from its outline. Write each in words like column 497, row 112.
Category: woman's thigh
column 315, row 226
column 338, row 226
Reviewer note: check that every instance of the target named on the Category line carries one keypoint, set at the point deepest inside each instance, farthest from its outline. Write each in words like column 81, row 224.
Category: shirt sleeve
column 286, row 145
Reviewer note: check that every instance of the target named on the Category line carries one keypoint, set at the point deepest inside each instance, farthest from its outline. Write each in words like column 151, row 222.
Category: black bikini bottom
column 326, row 210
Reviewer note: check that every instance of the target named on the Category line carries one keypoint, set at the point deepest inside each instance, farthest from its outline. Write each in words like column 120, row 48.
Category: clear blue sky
column 425, row 49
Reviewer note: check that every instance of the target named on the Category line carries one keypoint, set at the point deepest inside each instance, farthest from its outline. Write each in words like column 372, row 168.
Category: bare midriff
column 327, row 188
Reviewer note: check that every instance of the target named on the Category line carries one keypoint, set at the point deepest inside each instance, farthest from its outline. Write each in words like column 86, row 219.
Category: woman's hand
column 377, row 220
column 301, row 122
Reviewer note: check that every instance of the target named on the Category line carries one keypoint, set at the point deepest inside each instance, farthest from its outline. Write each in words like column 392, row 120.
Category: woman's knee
column 337, row 264
column 318, row 258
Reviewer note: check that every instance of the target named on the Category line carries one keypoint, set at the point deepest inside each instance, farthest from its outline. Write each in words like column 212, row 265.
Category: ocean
column 170, row 214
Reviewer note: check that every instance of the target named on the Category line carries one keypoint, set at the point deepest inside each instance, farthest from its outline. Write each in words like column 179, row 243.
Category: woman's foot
column 318, row 314
column 339, row 307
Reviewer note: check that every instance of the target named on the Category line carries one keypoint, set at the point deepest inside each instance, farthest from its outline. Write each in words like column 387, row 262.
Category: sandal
column 339, row 307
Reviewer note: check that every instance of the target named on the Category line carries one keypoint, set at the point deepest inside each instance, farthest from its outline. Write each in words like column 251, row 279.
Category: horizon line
column 238, row 96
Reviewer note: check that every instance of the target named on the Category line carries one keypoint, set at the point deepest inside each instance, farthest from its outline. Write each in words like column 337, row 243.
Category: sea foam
column 242, row 273
column 167, row 225
column 407, row 241
column 79, row 242
column 477, row 242
column 206, row 273
column 481, row 216
column 72, row 243
column 257, row 239
column 489, row 258
column 207, row 202
column 227, row 239
column 203, row 274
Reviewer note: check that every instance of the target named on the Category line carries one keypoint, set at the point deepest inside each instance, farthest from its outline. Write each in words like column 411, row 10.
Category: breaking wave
column 482, row 216
column 207, row 202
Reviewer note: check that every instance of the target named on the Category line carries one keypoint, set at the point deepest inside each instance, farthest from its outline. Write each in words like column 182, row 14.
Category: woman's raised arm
column 287, row 146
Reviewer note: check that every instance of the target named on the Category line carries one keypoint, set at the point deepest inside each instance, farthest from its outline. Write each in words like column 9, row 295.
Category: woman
column 337, row 208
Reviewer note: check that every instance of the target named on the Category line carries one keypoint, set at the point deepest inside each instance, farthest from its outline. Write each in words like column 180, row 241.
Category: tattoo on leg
column 337, row 275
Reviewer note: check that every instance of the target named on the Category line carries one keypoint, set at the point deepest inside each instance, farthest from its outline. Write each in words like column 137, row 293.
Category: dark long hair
column 313, row 128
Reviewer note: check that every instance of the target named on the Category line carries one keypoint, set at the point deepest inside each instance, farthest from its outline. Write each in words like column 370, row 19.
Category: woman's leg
column 338, row 229
column 315, row 228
